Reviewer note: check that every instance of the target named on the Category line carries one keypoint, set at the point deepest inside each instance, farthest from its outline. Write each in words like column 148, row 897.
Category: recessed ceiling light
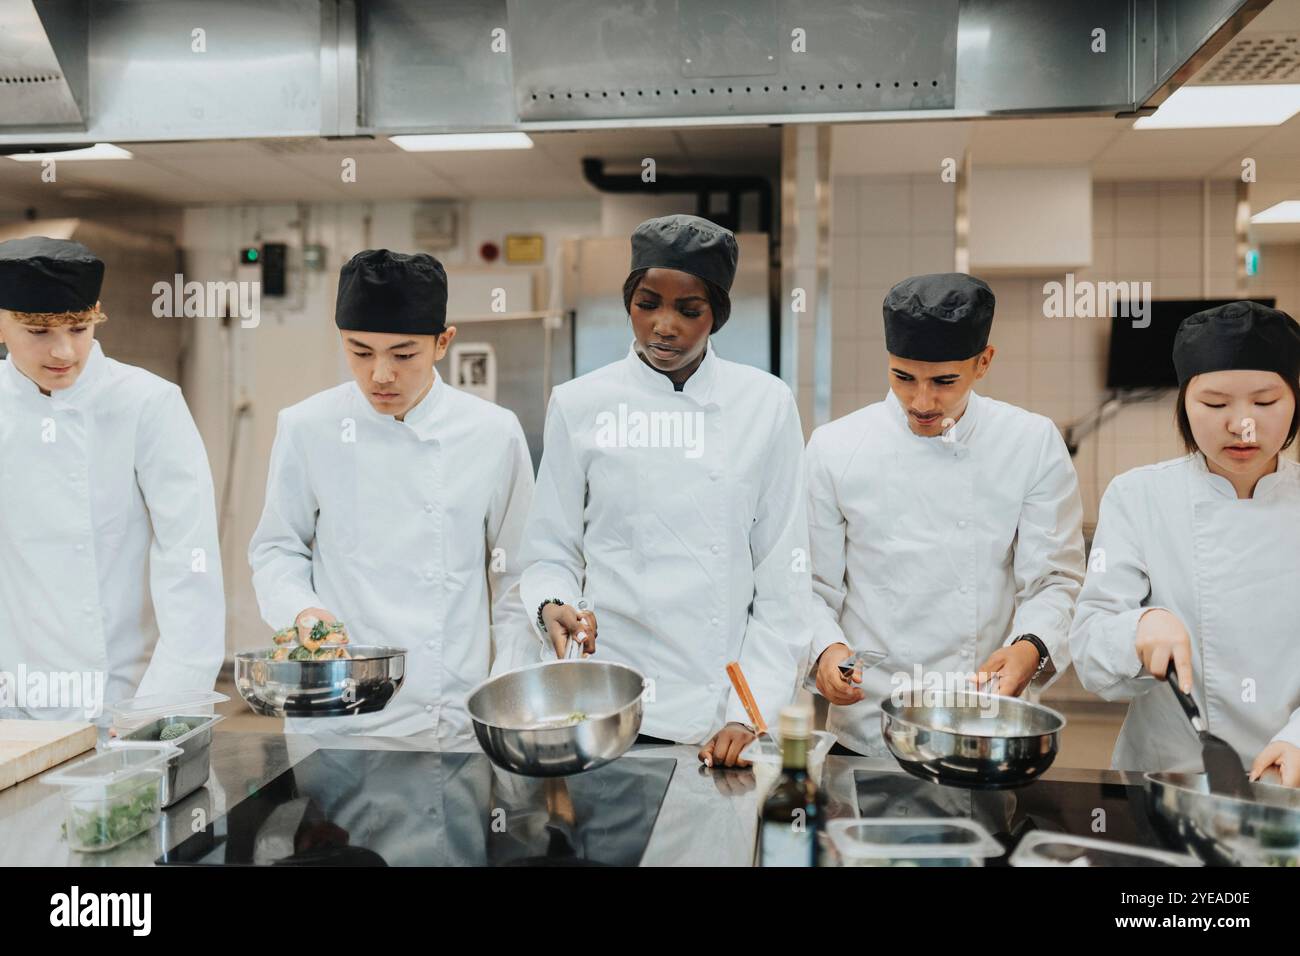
column 1205, row 107
column 1286, row 211
column 98, row 151
column 460, row 142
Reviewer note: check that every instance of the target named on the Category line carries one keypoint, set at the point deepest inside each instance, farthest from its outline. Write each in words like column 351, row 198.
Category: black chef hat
column 943, row 317
column 382, row 291
column 39, row 274
column 1239, row 335
column 688, row 244
column 692, row 245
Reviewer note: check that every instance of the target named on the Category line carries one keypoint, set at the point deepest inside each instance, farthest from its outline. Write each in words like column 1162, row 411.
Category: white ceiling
column 244, row 171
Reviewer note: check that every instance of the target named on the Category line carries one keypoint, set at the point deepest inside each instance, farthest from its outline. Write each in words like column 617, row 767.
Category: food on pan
column 572, row 720
column 324, row 642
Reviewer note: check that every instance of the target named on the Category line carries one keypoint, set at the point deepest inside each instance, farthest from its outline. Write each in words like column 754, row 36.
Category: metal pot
column 522, row 718
column 1222, row 830
column 331, row 688
column 980, row 742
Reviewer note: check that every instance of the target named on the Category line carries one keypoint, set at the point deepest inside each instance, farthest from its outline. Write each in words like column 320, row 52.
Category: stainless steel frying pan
column 979, row 741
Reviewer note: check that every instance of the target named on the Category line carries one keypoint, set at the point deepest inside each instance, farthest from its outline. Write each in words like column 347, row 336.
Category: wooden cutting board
column 29, row 747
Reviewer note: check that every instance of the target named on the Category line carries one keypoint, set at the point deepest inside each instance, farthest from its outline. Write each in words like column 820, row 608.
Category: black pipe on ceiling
column 593, row 170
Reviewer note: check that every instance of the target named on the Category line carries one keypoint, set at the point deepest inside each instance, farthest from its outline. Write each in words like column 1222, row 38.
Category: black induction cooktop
column 417, row 808
column 1104, row 811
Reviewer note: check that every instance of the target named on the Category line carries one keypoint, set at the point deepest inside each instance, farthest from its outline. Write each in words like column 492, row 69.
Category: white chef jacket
column 938, row 551
column 1174, row 535
column 405, row 531
column 692, row 554
column 108, row 536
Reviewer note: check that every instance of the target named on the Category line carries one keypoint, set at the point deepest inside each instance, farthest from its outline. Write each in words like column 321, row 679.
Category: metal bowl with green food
column 362, row 683
column 1263, row 830
column 559, row 717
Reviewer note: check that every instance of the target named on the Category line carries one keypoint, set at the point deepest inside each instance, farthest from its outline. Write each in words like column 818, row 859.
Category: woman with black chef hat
column 1196, row 561
column 669, row 499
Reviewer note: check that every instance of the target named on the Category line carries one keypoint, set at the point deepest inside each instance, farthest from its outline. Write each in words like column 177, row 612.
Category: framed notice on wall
column 524, row 248
column 474, row 369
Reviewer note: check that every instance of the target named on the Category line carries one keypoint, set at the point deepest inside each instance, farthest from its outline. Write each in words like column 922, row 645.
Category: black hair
column 1185, row 424
column 719, row 299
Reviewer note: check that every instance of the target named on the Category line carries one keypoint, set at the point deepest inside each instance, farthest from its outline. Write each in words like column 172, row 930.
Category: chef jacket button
column 715, row 549
column 963, row 589
column 428, row 708
column 428, row 575
column 961, row 524
column 713, row 621
column 431, row 645
column 428, row 509
column 714, row 475
column 81, row 547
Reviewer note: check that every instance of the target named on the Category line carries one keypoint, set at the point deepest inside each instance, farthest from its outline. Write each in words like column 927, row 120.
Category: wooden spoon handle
column 746, row 696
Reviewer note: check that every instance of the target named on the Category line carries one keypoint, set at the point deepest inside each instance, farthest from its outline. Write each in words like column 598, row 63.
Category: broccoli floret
column 173, row 730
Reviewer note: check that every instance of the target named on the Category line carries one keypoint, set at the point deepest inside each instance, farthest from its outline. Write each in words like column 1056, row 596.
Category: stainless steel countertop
column 708, row 817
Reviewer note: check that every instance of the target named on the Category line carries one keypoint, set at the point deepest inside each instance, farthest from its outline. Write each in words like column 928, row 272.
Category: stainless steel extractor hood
column 34, row 87
column 139, row 70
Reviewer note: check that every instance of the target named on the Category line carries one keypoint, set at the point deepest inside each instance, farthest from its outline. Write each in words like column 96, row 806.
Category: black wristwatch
column 1044, row 658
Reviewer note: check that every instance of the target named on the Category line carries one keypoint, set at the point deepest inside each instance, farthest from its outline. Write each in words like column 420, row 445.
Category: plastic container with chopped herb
column 113, row 796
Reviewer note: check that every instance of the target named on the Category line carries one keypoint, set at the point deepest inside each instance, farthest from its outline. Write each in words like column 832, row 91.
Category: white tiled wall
column 884, row 228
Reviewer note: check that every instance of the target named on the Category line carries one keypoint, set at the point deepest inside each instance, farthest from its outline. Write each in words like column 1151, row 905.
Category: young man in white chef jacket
column 669, row 498
column 1196, row 561
column 946, row 527
column 395, row 505
column 111, row 582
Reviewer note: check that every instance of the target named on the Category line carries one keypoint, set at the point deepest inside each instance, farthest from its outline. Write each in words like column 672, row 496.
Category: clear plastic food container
column 112, row 796
column 766, row 757
column 912, row 841
column 135, row 712
column 1042, row 848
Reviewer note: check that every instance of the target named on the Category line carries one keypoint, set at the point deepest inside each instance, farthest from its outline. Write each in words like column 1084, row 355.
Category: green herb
column 106, row 828
column 1278, row 838
column 300, row 653
column 320, row 630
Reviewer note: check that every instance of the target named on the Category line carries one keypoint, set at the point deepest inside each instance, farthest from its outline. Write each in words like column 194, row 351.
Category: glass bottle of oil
column 794, row 811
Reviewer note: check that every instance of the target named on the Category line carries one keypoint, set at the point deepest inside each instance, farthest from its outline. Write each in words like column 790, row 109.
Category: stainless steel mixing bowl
column 1223, row 830
column 338, row 688
column 977, row 741
column 522, row 718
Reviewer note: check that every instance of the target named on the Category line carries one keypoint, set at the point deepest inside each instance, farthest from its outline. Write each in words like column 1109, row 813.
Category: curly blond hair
column 49, row 320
